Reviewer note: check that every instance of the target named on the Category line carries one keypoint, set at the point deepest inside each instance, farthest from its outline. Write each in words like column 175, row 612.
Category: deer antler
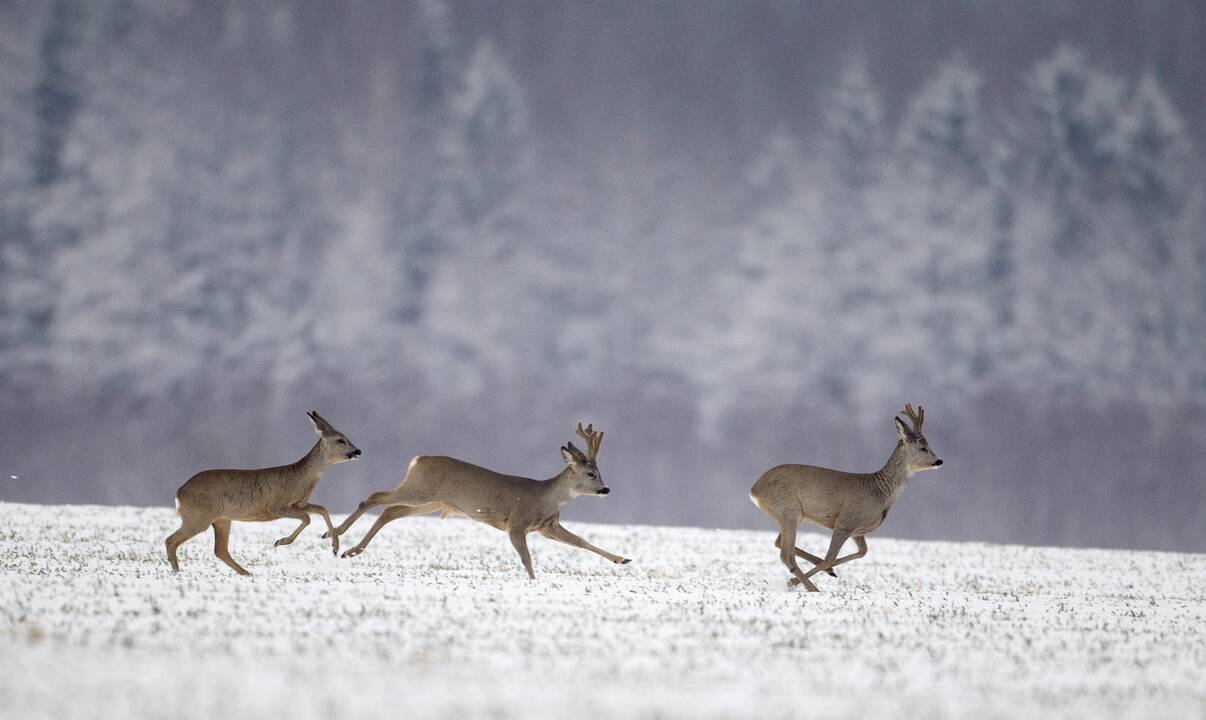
column 593, row 440
column 916, row 417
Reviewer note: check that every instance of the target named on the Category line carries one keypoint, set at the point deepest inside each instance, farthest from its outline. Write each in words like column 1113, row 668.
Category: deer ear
column 903, row 431
column 316, row 421
column 572, row 455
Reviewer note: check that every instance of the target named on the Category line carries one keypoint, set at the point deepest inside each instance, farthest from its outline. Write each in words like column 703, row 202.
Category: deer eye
column 590, row 474
column 341, row 441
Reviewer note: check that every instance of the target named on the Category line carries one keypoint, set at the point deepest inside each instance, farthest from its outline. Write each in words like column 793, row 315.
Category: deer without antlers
column 850, row 504
column 515, row 505
column 216, row 497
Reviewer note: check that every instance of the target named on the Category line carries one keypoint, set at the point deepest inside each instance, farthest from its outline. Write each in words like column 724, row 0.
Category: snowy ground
column 437, row 619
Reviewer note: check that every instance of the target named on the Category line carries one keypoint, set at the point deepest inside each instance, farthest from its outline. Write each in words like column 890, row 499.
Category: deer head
column 585, row 478
column 334, row 445
column 917, row 453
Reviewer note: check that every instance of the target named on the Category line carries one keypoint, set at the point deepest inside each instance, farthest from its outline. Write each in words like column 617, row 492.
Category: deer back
column 466, row 489
column 818, row 494
column 248, row 495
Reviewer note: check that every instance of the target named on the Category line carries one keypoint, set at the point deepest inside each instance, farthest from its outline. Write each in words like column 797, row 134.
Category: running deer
column 216, row 497
column 515, row 505
column 851, row 504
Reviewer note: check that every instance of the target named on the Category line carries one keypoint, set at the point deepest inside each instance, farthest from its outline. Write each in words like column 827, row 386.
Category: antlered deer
column 851, row 504
column 515, row 505
column 216, row 497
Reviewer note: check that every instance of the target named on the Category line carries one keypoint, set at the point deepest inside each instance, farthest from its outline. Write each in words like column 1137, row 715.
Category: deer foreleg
column 805, row 554
column 322, row 511
column 297, row 514
column 861, row 542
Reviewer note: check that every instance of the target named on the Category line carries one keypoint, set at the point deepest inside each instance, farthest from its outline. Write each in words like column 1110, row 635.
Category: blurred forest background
column 731, row 234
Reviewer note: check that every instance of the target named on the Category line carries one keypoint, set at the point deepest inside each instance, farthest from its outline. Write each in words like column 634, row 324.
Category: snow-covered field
column 438, row 619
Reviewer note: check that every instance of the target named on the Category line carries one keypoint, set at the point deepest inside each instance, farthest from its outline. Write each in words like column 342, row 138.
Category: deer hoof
column 807, row 586
column 831, row 573
column 625, row 561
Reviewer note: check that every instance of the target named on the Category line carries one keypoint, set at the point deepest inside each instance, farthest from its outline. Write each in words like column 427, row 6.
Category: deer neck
column 891, row 480
column 559, row 490
column 311, row 467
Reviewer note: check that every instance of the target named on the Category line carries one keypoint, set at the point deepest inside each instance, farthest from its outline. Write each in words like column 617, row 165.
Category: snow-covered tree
column 170, row 234
column 946, row 208
column 765, row 337
column 1072, row 141
column 1158, row 183
column 58, row 93
column 114, row 209
column 487, row 144
column 364, row 240
column 852, row 119
column 863, row 251
column 18, row 121
column 477, row 228
column 1094, row 223
column 941, row 141
column 45, row 90
column 24, row 306
column 472, row 115
column 438, row 63
column 1155, row 162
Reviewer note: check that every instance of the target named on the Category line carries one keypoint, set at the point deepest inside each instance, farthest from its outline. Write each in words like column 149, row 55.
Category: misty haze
column 730, row 234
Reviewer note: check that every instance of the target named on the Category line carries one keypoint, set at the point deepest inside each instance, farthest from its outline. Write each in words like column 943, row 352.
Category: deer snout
column 356, row 453
column 603, row 491
column 938, row 463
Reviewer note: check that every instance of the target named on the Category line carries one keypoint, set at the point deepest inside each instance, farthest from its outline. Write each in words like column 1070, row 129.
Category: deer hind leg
column 296, row 514
column 384, row 497
column 387, row 516
column 835, row 544
column 519, row 538
column 221, row 549
column 787, row 545
column 190, row 527
column 806, row 555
